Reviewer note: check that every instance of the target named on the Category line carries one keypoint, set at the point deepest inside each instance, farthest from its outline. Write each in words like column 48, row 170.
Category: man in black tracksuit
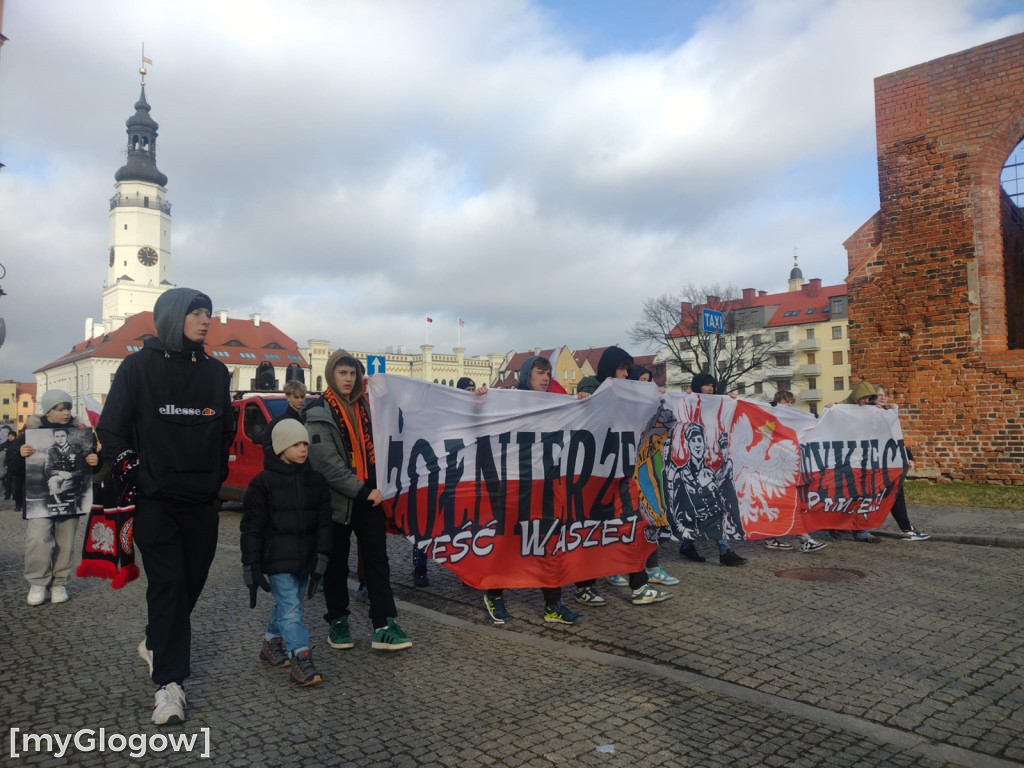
column 170, row 403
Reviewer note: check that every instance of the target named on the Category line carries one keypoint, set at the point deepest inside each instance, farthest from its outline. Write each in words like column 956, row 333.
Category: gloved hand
column 253, row 577
column 316, row 576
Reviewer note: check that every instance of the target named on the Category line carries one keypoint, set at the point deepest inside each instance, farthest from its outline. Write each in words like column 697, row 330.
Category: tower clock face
column 147, row 256
column 111, row 256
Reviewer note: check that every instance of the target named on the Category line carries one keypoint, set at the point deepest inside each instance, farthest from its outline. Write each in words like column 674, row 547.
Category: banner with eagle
column 529, row 489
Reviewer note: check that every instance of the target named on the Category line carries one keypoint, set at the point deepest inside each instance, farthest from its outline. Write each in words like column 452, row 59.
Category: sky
column 538, row 169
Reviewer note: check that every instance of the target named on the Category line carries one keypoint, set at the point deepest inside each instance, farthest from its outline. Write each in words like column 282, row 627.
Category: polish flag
column 430, row 319
column 461, row 324
column 92, row 408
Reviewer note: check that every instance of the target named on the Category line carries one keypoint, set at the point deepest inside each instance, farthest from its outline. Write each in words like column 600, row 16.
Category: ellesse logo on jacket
column 175, row 410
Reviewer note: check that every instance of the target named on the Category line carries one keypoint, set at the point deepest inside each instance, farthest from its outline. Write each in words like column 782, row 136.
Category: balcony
column 140, row 202
column 809, row 369
column 780, row 372
column 809, row 395
column 809, row 345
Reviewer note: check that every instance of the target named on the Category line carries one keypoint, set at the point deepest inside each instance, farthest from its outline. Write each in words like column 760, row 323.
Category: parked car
column 253, row 412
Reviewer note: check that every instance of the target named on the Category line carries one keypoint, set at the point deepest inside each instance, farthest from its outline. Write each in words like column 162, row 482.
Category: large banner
column 717, row 467
column 514, row 488
column 527, row 489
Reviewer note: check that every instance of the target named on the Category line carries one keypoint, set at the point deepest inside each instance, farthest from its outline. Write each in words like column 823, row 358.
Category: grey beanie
column 52, row 398
column 287, row 433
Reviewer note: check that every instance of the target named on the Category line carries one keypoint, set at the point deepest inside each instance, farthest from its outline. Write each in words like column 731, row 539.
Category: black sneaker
column 419, row 576
column 691, row 553
column 731, row 558
column 303, row 671
column 273, row 653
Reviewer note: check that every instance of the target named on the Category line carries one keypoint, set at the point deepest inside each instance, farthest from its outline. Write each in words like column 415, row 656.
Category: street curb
column 1011, row 542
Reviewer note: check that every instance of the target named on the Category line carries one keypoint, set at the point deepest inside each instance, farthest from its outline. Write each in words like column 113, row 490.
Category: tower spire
column 142, row 133
column 796, row 277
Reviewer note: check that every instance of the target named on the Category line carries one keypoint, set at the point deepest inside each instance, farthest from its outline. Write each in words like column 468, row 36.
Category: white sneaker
column 169, row 705
column 37, row 595
column 59, row 595
column 146, row 655
column 811, row 545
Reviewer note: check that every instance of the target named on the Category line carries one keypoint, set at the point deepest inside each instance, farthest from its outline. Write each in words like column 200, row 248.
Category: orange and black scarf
column 363, row 459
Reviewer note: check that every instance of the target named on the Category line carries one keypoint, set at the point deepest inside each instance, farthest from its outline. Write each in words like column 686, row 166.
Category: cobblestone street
column 898, row 654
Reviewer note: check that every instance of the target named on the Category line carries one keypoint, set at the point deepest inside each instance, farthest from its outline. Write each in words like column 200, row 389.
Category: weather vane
column 145, row 61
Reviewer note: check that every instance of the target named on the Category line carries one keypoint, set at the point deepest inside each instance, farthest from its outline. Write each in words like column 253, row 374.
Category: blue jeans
column 286, row 618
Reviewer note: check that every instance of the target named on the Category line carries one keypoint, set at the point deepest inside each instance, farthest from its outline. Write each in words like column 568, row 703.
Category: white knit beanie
column 287, row 433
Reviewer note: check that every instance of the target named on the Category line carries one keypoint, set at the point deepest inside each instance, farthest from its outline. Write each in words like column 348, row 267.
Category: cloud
column 347, row 168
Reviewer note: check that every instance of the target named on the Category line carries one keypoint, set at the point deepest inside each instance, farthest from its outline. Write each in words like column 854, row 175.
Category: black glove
column 253, row 577
column 316, row 576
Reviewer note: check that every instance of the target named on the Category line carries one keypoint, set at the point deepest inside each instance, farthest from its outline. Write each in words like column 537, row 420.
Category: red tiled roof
column 244, row 335
column 592, row 355
column 788, row 308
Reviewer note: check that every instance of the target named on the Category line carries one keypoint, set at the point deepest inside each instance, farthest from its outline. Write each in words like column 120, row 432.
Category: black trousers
column 177, row 543
column 367, row 523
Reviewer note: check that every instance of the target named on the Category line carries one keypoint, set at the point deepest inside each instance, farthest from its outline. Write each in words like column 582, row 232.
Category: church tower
column 138, row 263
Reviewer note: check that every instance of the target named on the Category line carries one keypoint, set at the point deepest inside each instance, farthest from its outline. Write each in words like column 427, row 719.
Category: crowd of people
column 169, row 408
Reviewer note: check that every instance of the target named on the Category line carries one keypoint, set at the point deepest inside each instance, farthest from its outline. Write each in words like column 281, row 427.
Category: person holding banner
column 535, row 375
column 616, row 363
column 50, row 541
column 899, row 508
column 341, row 448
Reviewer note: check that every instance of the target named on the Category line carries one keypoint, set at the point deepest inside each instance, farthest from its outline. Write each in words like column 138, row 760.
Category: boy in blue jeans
column 286, row 536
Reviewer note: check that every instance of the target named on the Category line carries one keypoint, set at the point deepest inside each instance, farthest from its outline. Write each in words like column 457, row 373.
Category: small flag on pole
column 147, row 61
column 92, row 408
column 461, row 324
column 430, row 319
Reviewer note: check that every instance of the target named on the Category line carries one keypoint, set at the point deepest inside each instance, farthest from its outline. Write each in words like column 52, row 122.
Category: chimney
column 748, row 295
column 223, row 316
column 255, row 317
column 812, row 288
column 762, row 293
column 712, row 300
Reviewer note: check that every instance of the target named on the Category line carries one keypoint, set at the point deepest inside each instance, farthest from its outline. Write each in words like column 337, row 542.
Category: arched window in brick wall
column 1011, row 214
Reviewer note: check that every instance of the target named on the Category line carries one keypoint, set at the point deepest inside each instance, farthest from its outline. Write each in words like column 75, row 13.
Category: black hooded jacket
column 171, row 403
column 607, row 365
column 700, row 380
column 287, row 520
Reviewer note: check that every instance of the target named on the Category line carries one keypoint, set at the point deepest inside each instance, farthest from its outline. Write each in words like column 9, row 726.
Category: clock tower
column 138, row 262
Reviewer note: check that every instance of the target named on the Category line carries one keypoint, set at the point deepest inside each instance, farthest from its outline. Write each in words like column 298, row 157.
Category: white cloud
column 348, row 168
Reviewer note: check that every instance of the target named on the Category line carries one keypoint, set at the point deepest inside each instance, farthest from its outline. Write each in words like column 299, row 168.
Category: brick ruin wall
column 928, row 296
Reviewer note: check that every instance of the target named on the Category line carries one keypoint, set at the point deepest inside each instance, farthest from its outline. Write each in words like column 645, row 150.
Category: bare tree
column 745, row 352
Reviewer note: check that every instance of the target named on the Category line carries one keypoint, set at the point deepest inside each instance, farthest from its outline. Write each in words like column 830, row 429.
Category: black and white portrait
column 58, row 482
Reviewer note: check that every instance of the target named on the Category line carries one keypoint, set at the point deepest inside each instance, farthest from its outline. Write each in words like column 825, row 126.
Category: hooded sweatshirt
column 607, row 365
column 170, row 403
column 863, row 389
column 700, row 380
column 339, row 444
column 524, row 377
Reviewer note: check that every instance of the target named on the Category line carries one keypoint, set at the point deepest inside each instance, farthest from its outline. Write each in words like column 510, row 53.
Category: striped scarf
column 363, row 459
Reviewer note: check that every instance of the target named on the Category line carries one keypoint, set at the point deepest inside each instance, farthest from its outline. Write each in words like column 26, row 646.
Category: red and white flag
column 92, row 408
column 461, row 323
column 430, row 319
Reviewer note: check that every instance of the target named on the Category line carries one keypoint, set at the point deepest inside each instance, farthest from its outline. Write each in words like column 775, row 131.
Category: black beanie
column 201, row 301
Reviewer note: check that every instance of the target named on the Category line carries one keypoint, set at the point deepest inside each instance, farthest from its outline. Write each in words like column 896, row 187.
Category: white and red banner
column 529, row 489
column 514, row 488
column 736, row 469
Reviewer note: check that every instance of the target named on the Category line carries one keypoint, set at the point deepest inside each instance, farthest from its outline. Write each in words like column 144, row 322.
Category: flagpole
column 458, row 333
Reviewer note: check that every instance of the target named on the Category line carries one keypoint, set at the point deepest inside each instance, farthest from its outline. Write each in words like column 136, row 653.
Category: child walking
column 286, row 542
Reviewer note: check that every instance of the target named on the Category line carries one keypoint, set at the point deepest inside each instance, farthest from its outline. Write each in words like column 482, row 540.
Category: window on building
column 791, row 313
column 837, row 331
column 271, row 356
column 1012, row 178
column 782, row 336
column 811, row 358
column 741, row 389
column 756, row 340
column 838, row 304
column 812, row 383
column 782, row 360
column 814, row 408
column 810, row 333
column 837, row 358
column 837, row 383
column 7, row 401
column 758, row 388
column 784, row 384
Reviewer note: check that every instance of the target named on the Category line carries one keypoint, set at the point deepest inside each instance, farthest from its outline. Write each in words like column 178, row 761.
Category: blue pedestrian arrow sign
column 374, row 364
column 713, row 321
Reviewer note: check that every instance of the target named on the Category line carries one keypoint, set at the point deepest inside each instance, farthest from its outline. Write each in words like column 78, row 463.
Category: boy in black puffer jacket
column 286, row 536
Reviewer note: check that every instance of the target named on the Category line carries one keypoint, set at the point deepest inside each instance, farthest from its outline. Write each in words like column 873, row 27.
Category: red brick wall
column 927, row 294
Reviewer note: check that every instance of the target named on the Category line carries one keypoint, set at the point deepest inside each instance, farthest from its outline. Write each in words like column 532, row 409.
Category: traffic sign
column 375, row 364
column 714, row 321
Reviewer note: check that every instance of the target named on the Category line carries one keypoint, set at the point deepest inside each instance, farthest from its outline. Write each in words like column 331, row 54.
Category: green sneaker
column 390, row 638
column 338, row 635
